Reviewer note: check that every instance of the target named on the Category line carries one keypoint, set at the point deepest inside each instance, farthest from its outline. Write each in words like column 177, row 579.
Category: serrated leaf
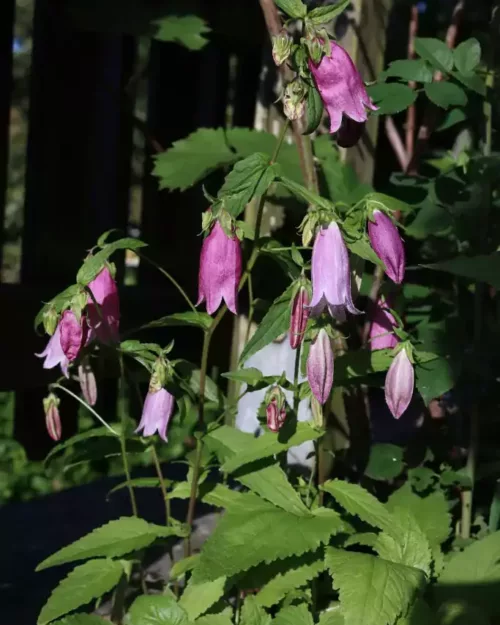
column 372, row 591
column 467, row 56
column 293, row 8
column 189, row 318
column 435, row 378
column 253, row 614
column 187, row 30
column 485, row 268
column 78, row 438
column 271, row 444
column 81, row 619
column 249, row 376
column 198, row 598
column 114, row 539
column 222, row 618
column 391, row 97
column 156, row 610
column 93, row 265
column 385, row 462
column 436, row 52
column 294, row 615
column 236, row 544
column 275, row 322
column 383, row 201
column 359, row 502
column 181, row 567
column 85, row 582
column 283, row 583
column 431, row 512
column 325, row 14
column 314, row 110
column 415, row 70
column 248, row 178
column 332, row 616
column 305, row 194
column 453, row 117
column 445, row 94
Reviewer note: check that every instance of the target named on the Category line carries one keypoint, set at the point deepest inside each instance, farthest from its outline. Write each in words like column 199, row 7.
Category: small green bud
column 282, row 47
column 50, row 319
column 294, row 102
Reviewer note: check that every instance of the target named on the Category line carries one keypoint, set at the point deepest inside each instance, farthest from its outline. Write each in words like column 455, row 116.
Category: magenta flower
column 299, row 317
column 156, row 413
column 387, row 245
column 382, row 327
column 52, row 417
column 105, row 321
column 220, row 270
column 54, row 354
column 73, row 334
column 320, row 367
column 341, row 88
column 331, row 276
column 399, row 384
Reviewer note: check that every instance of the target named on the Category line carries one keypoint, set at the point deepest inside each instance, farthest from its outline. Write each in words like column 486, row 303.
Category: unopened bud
column 299, row 317
column 52, row 416
column 88, row 383
column 275, row 409
column 50, row 318
column 161, row 371
column 282, row 47
column 315, row 49
column 294, row 102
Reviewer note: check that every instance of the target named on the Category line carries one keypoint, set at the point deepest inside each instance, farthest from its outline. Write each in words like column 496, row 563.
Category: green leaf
column 304, row 194
column 483, row 268
column 325, row 14
column 294, row 615
column 253, row 614
column 188, row 30
column 434, row 379
column 405, row 543
column 314, row 109
column 471, row 81
column 359, row 502
column 392, row 97
column 293, row 8
column 237, row 543
column 198, row 598
column 436, row 52
column 79, row 438
column 156, row 610
column 383, row 201
column 271, row 444
column 467, row 56
column 114, row 539
column 453, row 117
column 93, row 265
column 372, row 591
column 332, row 616
column 275, row 322
column 283, row 583
column 82, row 619
column 189, row 318
column 416, row 70
column 140, row 482
column 222, row 618
column 181, row 567
column 385, row 462
column 85, row 582
column 249, row 376
column 445, row 94
column 248, row 178
column 59, row 302
column 431, row 512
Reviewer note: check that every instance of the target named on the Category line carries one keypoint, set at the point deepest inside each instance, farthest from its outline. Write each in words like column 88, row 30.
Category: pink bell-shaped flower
column 320, row 367
column 331, row 275
column 387, row 245
column 399, row 384
column 156, row 413
column 73, row 334
column 220, row 270
column 299, row 317
column 382, row 327
column 105, row 321
column 54, row 354
column 341, row 87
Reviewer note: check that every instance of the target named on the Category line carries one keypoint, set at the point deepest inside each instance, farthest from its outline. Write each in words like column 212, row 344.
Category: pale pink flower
column 105, row 322
column 54, row 354
column 299, row 317
column 156, row 413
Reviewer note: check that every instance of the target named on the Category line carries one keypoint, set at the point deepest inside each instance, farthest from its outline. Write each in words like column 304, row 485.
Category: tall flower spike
column 299, row 317
column 341, row 88
column 320, row 367
column 331, row 276
column 54, row 354
column 156, row 413
column 382, row 327
column 399, row 383
column 105, row 321
column 220, row 270
column 73, row 334
column 387, row 245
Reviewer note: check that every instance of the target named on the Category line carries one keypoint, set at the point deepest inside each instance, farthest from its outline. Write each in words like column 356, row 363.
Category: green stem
column 296, row 372
column 250, row 308
column 169, row 277
column 123, row 442
column 163, row 488
column 84, row 403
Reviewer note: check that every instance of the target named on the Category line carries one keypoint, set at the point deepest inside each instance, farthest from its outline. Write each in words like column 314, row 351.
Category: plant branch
column 163, row 488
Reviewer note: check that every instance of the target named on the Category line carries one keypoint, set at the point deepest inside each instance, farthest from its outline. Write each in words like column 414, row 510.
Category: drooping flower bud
column 399, row 383
column 282, row 47
column 88, row 383
column 387, row 245
column 220, row 270
column 341, row 87
column 54, row 354
column 299, row 317
column 275, row 409
column 331, row 276
column 315, row 49
column 294, row 101
column 104, row 319
column 52, row 416
column 382, row 326
column 320, row 367
column 73, row 334
column 349, row 132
